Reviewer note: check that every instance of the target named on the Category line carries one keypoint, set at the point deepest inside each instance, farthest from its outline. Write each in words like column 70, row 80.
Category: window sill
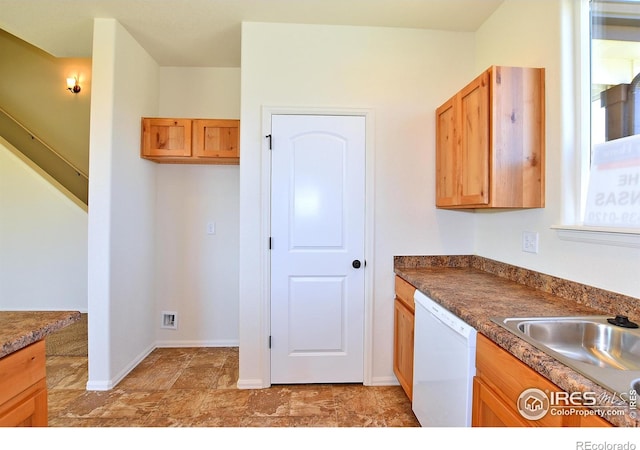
column 621, row 237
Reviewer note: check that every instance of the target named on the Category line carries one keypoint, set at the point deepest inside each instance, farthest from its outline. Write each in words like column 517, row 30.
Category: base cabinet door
column 30, row 411
column 403, row 328
column 490, row 411
column 501, row 390
column 403, row 347
column 23, row 387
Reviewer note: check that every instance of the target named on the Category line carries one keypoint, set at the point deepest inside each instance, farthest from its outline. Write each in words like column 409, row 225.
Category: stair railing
column 51, row 161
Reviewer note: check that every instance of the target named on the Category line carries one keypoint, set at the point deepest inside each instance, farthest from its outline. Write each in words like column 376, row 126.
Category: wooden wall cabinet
column 23, row 388
column 499, row 381
column 490, row 141
column 191, row 141
column 403, row 330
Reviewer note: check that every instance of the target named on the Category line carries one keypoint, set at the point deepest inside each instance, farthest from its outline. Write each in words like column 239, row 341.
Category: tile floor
column 196, row 387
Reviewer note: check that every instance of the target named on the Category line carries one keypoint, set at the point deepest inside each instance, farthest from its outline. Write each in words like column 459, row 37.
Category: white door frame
column 267, row 112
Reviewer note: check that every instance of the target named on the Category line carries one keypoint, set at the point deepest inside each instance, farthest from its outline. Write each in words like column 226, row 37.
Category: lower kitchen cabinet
column 404, row 318
column 489, row 410
column 23, row 387
column 499, row 381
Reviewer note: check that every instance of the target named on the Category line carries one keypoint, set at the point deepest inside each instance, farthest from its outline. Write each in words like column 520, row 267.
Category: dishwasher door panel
column 444, row 366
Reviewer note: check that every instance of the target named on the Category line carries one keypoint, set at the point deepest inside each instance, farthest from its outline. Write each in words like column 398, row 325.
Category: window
column 613, row 199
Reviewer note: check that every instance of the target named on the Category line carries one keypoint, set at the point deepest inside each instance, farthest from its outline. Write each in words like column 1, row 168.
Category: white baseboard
column 384, row 381
column 256, row 383
column 106, row 385
column 181, row 344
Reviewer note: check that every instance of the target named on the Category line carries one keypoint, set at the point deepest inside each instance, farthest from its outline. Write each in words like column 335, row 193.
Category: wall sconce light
column 72, row 85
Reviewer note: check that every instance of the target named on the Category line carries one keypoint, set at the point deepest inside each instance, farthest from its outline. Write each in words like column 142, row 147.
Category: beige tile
column 211, row 357
column 67, row 372
column 227, row 378
column 90, row 404
column 312, row 401
column 197, row 387
column 357, row 399
column 180, row 403
column 133, row 405
column 350, row 419
column 199, row 377
column 59, row 399
column 274, row 401
column 226, row 403
column 161, row 376
column 314, row 421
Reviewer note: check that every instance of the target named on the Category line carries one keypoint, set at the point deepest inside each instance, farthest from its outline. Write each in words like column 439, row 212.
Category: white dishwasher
column 443, row 366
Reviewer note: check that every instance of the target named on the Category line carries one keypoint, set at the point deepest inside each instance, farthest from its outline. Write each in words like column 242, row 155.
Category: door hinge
column 270, row 242
column 268, row 136
column 269, row 341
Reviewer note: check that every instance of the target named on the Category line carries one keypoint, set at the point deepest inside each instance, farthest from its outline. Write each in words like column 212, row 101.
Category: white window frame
column 572, row 229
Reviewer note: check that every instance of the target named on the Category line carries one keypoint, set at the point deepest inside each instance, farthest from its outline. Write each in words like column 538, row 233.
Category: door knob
column 356, row 264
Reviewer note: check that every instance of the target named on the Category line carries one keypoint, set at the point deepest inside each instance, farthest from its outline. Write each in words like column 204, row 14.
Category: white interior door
column 317, row 230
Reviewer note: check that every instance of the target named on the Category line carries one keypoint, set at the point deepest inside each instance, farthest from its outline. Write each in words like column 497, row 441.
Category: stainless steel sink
column 596, row 346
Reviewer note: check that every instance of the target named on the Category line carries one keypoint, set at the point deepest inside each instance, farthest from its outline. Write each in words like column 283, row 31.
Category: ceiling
column 206, row 33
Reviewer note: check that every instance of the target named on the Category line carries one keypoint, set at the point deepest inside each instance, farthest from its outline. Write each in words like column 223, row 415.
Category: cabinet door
column 403, row 346
column 490, row 411
column 474, row 142
column 517, row 130
column 213, row 138
column 166, row 137
column 446, row 154
column 28, row 409
column 23, row 387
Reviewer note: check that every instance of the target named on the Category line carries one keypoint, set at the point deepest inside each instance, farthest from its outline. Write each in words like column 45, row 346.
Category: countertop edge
column 41, row 324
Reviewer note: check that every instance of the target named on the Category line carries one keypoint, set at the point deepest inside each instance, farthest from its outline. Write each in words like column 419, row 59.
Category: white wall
column 43, row 240
column 149, row 251
column 402, row 76
column 122, row 214
column 197, row 273
column 498, row 235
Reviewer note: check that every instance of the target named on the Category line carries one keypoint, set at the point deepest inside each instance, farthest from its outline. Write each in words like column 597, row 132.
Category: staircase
column 47, row 158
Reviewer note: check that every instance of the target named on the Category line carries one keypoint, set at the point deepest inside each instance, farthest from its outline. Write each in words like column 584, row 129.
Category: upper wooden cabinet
column 191, row 141
column 490, row 142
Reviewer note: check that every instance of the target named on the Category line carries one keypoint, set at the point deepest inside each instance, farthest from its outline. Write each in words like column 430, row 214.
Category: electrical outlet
column 169, row 320
column 211, row 228
column 530, row 241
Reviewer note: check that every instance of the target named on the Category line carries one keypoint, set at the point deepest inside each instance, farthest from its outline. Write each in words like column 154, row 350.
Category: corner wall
column 498, row 235
column 197, row 272
column 122, row 198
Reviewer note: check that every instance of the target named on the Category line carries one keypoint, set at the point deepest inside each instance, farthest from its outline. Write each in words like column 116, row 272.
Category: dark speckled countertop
column 19, row 329
column 476, row 289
